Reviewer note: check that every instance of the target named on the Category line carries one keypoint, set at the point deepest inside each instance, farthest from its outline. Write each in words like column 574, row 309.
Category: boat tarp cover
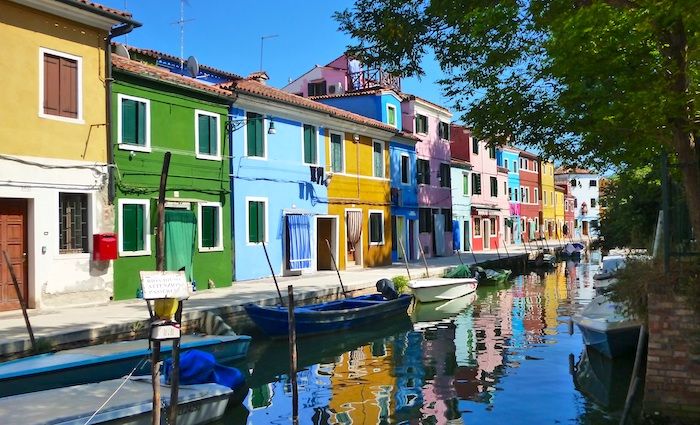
column 299, row 231
column 180, row 228
column 199, row 367
column 460, row 271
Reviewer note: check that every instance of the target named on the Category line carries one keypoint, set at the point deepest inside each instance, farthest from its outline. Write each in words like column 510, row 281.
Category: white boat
column 425, row 314
column 611, row 264
column 442, row 288
column 198, row 404
column 605, row 328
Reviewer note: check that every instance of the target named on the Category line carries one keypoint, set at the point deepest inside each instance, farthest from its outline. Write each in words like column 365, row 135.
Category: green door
column 180, row 232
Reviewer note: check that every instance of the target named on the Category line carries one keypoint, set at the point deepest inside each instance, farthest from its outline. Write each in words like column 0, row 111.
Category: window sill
column 74, row 256
column 257, row 158
column 211, row 249
column 135, row 148
column 254, row 243
column 135, row 253
column 62, row 119
column 208, row 157
column 376, row 243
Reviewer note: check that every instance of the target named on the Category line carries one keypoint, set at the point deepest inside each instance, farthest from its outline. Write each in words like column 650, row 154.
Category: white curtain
column 354, row 224
column 439, row 229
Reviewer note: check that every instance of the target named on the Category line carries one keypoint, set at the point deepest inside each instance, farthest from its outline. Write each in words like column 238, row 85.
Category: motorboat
column 611, row 265
column 442, row 288
column 606, row 328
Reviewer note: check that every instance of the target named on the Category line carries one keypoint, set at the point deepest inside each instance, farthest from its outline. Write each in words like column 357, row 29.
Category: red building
column 530, row 188
column 569, row 207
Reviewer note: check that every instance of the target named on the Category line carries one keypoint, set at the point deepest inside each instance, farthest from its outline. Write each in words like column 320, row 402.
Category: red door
column 13, row 240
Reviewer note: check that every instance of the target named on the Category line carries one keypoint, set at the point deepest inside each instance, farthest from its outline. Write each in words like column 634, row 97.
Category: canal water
column 505, row 355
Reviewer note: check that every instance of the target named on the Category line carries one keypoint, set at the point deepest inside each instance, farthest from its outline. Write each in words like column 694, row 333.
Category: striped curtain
column 299, row 233
column 354, row 224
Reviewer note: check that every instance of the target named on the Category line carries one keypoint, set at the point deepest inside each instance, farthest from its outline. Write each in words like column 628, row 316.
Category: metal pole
column 666, row 206
column 328, row 244
column 22, row 303
column 293, row 354
column 405, row 259
column 274, row 278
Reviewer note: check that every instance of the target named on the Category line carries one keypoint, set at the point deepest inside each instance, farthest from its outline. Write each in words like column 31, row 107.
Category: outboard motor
column 386, row 288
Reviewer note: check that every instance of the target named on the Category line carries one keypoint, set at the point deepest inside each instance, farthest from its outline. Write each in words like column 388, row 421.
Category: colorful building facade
column 530, row 206
column 559, row 210
column 508, row 159
column 54, row 175
column 583, row 185
column 548, row 200
column 156, row 111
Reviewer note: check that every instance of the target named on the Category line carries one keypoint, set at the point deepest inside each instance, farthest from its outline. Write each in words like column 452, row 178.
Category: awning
column 299, row 234
column 485, row 210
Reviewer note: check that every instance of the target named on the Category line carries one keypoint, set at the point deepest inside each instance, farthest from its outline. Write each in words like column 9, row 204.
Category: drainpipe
column 114, row 32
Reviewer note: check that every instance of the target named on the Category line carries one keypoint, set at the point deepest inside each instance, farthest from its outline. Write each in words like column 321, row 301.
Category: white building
column 584, row 186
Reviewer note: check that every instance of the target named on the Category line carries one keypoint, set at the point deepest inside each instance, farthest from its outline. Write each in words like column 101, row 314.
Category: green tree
column 596, row 83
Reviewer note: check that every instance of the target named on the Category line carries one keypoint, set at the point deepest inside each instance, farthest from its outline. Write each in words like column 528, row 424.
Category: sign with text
column 157, row 285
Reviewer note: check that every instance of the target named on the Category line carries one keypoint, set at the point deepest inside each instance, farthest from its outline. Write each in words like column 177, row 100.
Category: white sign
column 157, row 285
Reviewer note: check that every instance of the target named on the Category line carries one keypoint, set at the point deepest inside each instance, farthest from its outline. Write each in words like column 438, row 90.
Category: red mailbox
column 104, row 247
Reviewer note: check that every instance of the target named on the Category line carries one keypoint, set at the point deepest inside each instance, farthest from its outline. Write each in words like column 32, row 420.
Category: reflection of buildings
column 409, row 371
column 439, row 395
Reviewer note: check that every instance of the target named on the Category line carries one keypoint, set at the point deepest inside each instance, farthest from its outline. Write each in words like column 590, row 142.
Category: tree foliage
column 589, row 82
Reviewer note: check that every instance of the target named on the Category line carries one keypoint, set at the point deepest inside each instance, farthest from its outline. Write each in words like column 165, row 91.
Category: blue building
column 385, row 105
column 461, row 204
column 508, row 158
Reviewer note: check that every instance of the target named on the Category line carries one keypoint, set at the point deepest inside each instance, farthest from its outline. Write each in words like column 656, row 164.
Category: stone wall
column 673, row 363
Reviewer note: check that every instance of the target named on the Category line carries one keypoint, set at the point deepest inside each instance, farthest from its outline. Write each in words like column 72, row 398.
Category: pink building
column 489, row 189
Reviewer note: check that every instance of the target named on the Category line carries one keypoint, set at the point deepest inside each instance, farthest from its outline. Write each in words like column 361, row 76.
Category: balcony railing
column 373, row 78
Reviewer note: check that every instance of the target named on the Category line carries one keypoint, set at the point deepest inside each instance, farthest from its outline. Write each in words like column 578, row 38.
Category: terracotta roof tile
column 572, row 170
column 162, row 74
column 92, row 4
column 414, row 97
column 155, row 54
column 363, row 92
column 257, row 89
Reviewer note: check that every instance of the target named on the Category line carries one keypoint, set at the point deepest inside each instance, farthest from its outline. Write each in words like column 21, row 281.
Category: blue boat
column 606, row 328
column 329, row 316
column 104, row 362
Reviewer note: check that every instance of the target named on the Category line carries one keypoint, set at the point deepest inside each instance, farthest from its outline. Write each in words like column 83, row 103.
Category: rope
column 126, row 378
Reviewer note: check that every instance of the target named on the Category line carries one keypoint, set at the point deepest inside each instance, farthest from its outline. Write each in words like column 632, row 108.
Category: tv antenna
column 262, row 43
column 181, row 22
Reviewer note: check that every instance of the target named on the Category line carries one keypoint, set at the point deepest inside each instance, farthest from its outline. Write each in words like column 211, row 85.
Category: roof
column 363, row 92
column 92, row 4
column 255, row 88
column 164, row 75
column 525, row 153
column 155, row 54
column 414, row 97
column 572, row 170
column 407, row 135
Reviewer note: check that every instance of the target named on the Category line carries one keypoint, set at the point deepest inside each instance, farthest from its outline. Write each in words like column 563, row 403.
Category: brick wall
column 673, row 362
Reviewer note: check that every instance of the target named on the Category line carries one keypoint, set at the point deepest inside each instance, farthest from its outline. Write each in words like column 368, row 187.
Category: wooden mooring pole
column 405, row 259
column 425, row 261
column 22, row 302
column 293, row 355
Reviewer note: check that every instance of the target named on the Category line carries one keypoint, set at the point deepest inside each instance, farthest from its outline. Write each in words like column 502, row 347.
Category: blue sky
column 226, row 34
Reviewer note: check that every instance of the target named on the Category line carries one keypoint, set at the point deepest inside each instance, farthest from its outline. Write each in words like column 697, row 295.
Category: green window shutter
column 203, row 128
column 213, row 148
column 141, row 123
column 378, row 160
column 465, row 185
column 254, row 126
column 132, row 227
column 261, row 222
column 255, row 224
column 210, row 223
column 129, row 121
column 336, row 153
column 309, row 144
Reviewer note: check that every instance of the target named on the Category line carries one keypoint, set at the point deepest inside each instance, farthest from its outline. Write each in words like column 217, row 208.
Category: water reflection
column 498, row 356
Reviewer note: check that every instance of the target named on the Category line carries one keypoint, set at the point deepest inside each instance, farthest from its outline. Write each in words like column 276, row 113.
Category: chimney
column 259, row 76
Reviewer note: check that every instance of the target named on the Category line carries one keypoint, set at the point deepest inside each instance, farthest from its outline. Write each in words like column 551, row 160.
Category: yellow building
column 559, row 211
column 359, row 195
column 548, row 219
column 54, row 150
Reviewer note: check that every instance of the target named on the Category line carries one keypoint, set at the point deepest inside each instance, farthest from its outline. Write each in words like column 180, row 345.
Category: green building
column 154, row 111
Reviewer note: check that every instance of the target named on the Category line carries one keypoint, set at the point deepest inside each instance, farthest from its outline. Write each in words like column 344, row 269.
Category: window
column 492, row 227
column 505, row 187
column 423, row 169
column 527, row 195
column 207, row 135
column 551, row 198
column 593, row 202
column 515, row 195
column 391, row 115
column 378, row 158
column 255, row 136
column 505, row 164
column 494, row 186
column 537, row 196
column 544, row 197
column 477, row 227
column 492, row 152
column 134, row 226
column 592, row 183
column 425, row 220
column 444, row 130
column 475, row 146
column 575, row 203
column 310, row 144
column 465, row 184
column 73, row 223
column 510, row 194
column 447, row 212
column 61, row 85
column 317, row 88
column 257, row 220
column 476, row 184
column 573, row 182
column 376, row 227
column 210, row 226
column 515, row 167
column 445, row 177
column 421, row 124
column 405, row 169
column 134, row 123
column 534, row 166
column 337, row 161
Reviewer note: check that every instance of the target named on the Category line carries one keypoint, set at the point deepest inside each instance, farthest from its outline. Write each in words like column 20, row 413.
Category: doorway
column 413, row 240
column 466, row 240
column 401, row 237
column 326, row 228
column 585, row 227
column 13, row 240
column 486, row 232
column 353, row 237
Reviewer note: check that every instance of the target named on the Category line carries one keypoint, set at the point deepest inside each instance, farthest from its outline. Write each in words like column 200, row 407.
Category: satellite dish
column 192, row 66
column 121, row 50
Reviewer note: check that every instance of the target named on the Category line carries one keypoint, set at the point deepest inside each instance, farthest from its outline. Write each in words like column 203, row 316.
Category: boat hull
column 327, row 317
column 442, row 289
column 104, row 362
column 611, row 342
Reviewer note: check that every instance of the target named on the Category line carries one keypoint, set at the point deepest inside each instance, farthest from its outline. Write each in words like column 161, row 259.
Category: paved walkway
column 80, row 325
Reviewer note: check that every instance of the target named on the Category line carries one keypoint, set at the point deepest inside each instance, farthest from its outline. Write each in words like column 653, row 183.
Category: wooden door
column 13, row 240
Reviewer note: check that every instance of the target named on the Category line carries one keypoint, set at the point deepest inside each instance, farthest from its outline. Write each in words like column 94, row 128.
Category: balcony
column 370, row 78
